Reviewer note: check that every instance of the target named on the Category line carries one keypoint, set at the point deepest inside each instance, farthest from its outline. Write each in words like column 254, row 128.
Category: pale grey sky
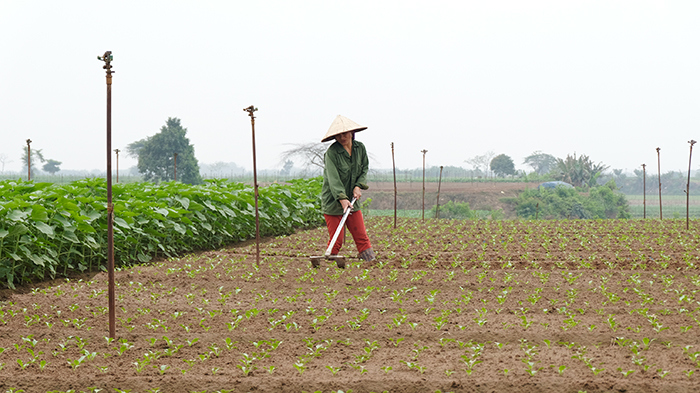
column 610, row 79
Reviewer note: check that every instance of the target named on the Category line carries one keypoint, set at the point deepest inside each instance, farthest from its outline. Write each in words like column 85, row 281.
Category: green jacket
column 341, row 174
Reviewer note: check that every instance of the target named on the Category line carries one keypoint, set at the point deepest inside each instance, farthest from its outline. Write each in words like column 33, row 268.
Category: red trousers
column 356, row 224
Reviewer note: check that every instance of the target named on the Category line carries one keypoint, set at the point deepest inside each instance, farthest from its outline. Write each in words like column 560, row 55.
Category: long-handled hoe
column 339, row 260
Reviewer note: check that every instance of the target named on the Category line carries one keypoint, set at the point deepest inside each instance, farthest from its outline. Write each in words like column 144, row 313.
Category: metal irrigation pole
column 687, row 188
column 250, row 111
column 661, row 213
column 117, row 151
column 175, row 166
column 107, row 58
column 29, row 160
column 437, row 204
column 644, row 188
column 393, row 164
column 423, row 209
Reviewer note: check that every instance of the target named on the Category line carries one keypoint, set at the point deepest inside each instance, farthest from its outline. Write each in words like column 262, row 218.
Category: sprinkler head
column 106, row 57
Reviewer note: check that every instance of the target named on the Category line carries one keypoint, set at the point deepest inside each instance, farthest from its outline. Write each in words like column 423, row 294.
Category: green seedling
column 626, row 373
column 333, row 370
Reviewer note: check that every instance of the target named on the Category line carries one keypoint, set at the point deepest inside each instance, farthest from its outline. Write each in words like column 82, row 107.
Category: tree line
column 168, row 155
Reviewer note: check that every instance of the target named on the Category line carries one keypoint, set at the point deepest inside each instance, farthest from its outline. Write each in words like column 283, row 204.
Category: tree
column 37, row 156
column 133, row 149
column 156, row 155
column 599, row 203
column 481, row 162
column 540, row 162
column 218, row 167
column 4, row 160
column 311, row 154
column 578, row 171
column 52, row 166
column 502, row 165
column 619, row 176
column 287, row 168
column 221, row 169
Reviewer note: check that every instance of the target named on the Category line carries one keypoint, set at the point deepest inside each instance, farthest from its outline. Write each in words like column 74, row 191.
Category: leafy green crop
column 47, row 229
column 599, row 203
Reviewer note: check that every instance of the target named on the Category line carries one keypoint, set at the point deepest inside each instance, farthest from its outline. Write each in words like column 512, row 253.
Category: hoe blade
column 339, row 261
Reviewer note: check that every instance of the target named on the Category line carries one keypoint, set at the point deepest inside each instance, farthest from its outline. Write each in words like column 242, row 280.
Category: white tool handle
column 340, row 228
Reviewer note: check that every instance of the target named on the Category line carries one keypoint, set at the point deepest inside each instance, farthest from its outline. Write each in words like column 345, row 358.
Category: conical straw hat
column 340, row 125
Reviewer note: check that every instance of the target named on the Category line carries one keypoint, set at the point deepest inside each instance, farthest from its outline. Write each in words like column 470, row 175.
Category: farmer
column 344, row 178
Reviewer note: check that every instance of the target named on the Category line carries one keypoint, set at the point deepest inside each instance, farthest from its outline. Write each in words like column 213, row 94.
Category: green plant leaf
column 37, row 259
column 19, row 229
column 71, row 237
column 121, row 222
column 17, row 215
column 45, row 229
column 185, row 202
column 39, row 213
column 83, row 227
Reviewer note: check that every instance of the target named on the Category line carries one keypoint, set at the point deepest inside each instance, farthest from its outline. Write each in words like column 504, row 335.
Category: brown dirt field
column 465, row 188
column 454, row 306
column 480, row 196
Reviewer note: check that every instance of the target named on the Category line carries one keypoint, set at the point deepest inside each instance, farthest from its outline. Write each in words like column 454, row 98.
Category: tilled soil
column 473, row 306
column 480, row 196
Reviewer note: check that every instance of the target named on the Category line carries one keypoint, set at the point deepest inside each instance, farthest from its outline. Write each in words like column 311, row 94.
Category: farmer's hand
column 357, row 193
column 345, row 204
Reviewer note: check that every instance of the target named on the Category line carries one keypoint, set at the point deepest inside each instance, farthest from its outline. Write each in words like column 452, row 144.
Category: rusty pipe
column 687, row 188
column 175, row 166
column 117, row 152
column 393, row 164
column 437, row 204
column 250, row 111
column 644, row 188
column 661, row 212
column 29, row 160
column 107, row 58
column 423, row 208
